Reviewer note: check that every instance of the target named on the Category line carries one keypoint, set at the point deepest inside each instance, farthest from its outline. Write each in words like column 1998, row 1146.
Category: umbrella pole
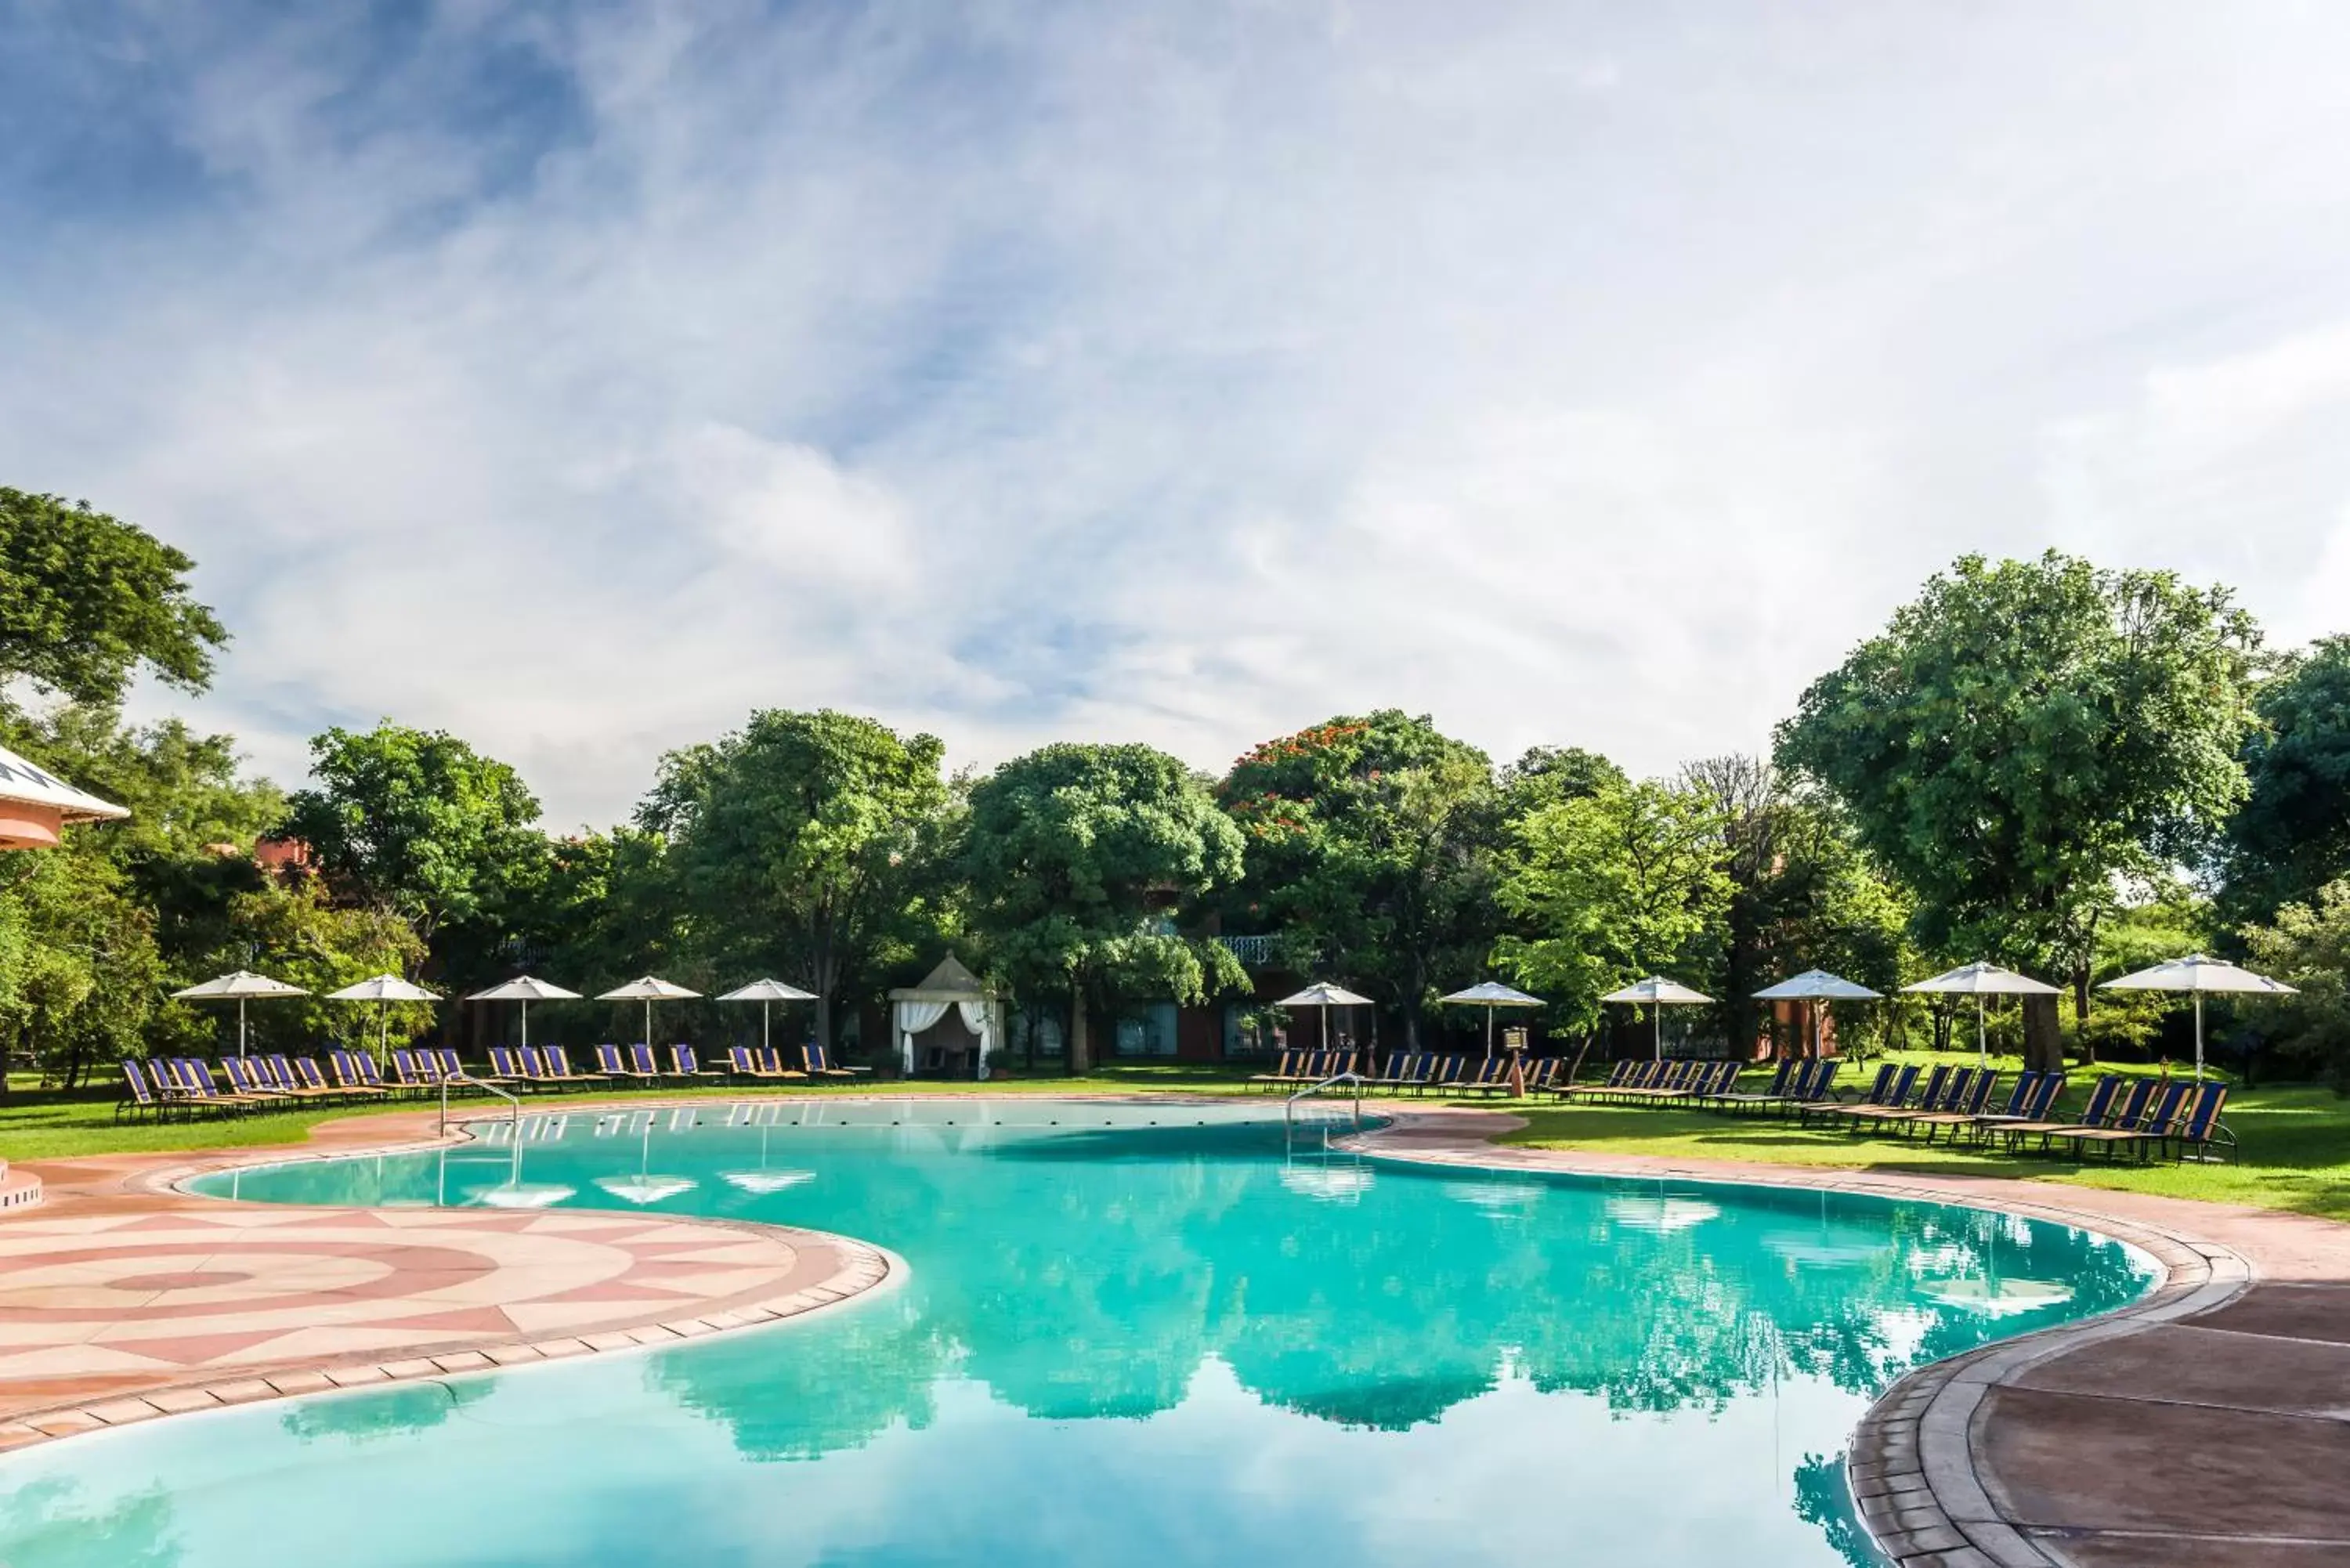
column 766, row 1027
column 2198, row 1036
column 525, row 1023
column 1657, row 1018
column 1982, row 1042
column 1489, row 1032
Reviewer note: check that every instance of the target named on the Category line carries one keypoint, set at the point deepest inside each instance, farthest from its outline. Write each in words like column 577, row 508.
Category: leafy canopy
column 87, row 600
column 417, row 821
column 1372, row 839
column 2027, row 732
column 2292, row 836
column 800, row 844
column 1620, row 884
column 1076, row 855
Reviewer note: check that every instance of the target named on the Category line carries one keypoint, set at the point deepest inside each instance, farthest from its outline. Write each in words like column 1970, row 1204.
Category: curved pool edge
column 1919, row 1473
column 851, row 1270
column 1918, row 1465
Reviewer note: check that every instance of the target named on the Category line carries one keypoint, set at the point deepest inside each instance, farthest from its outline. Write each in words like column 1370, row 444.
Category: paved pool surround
column 2208, row 1423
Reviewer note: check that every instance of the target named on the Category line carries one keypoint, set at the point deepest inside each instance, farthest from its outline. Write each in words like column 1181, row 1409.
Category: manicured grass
column 2295, row 1149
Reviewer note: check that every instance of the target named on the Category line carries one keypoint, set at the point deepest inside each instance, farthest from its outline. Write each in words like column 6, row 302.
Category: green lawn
column 2296, row 1139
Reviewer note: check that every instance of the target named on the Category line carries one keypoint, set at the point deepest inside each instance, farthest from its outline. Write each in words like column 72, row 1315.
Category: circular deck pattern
column 161, row 1306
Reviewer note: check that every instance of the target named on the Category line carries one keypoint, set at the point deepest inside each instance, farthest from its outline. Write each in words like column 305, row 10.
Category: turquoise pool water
column 1198, row 1341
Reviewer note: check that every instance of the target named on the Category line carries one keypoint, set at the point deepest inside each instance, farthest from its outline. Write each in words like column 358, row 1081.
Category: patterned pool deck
column 122, row 1300
column 2209, row 1424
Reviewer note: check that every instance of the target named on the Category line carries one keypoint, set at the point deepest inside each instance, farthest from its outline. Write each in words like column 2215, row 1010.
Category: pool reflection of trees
column 1383, row 1313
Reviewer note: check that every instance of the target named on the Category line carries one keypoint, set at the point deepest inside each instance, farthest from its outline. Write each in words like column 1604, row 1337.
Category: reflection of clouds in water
column 645, row 1189
column 1329, row 1183
column 763, row 1182
column 1501, row 1199
column 1661, row 1215
column 1998, row 1298
column 520, row 1195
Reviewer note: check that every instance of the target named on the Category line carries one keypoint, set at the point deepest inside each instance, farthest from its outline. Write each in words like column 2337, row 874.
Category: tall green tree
column 2292, row 836
column 418, row 822
column 87, row 601
column 800, row 845
column 1371, row 840
column 2025, row 736
column 1619, row 884
column 1803, row 894
column 1078, row 858
column 2307, row 946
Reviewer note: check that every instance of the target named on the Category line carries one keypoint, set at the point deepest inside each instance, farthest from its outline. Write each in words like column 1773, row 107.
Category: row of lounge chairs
column 179, row 1085
column 1414, row 1071
column 2124, row 1115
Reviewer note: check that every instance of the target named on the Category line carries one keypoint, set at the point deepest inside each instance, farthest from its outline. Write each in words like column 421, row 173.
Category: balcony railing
column 1256, row 952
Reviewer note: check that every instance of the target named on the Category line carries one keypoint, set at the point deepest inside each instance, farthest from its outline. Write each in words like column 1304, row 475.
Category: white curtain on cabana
column 913, row 1017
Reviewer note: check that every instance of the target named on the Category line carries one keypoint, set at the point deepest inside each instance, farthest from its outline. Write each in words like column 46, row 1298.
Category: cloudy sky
column 579, row 378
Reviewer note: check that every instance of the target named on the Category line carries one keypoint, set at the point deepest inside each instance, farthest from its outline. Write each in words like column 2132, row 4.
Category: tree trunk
column 2081, row 1014
column 1081, row 1056
column 2044, row 1037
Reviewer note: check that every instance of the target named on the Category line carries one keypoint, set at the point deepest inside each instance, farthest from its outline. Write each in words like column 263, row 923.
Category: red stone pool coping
column 2207, row 1424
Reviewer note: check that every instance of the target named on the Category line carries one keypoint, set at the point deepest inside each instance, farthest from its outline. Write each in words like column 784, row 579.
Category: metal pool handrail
column 513, row 1117
column 1289, row 1106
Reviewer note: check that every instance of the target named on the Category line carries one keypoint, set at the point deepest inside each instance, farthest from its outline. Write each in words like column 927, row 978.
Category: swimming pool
column 1168, row 1334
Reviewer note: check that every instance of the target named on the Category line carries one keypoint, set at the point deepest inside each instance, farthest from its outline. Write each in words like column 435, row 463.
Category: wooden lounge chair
column 2138, row 1126
column 1780, row 1076
column 560, row 1071
column 1892, row 1088
column 352, row 1078
column 1618, row 1075
column 1401, row 1071
column 140, row 1096
column 765, row 1064
column 2032, row 1100
column 1962, row 1106
column 2198, row 1126
column 685, row 1062
column 197, row 1079
column 1284, row 1071
column 612, row 1065
column 820, row 1065
column 1931, row 1098
column 245, row 1077
column 2094, row 1114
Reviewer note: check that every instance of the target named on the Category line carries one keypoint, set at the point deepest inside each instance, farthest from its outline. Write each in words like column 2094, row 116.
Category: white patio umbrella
column 647, row 990
column 1658, row 993
column 1978, row 981
column 1814, row 986
column 1488, row 995
column 2201, row 975
column 1324, row 996
column 383, row 990
column 525, row 990
column 240, row 987
column 767, row 993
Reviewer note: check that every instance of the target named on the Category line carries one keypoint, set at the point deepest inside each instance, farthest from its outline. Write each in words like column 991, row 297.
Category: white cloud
column 1579, row 375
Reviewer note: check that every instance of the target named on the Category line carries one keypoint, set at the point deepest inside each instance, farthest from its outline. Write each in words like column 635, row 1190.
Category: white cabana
column 767, row 993
column 36, row 804
column 525, row 989
column 383, row 990
column 1978, row 981
column 1656, row 992
column 916, row 1009
column 2201, row 975
column 1814, row 986
column 649, row 990
column 240, row 987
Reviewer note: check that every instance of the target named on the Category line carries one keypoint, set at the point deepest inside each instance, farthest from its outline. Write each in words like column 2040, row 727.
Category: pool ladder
column 514, row 1116
column 1289, row 1106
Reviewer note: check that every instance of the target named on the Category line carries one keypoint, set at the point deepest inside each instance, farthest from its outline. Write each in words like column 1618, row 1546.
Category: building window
column 1146, row 1030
